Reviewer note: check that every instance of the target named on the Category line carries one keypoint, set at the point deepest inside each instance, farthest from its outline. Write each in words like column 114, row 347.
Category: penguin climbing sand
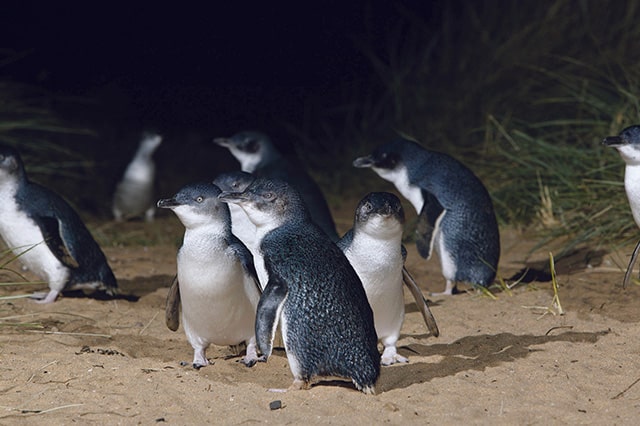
column 374, row 248
column 313, row 291
column 47, row 234
column 134, row 195
column 456, row 215
column 628, row 145
column 257, row 154
column 216, row 282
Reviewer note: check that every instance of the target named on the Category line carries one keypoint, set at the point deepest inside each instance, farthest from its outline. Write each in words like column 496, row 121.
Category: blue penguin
column 257, row 154
column 216, row 284
column 628, row 145
column 313, row 291
column 134, row 195
column 47, row 234
column 374, row 248
column 456, row 215
column 241, row 225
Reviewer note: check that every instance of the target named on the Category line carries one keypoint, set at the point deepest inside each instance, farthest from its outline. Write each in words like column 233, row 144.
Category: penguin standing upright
column 456, row 215
column 217, row 285
column 326, row 321
column 257, row 154
column 628, row 145
column 47, row 235
column 134, row 195
column 374, row 249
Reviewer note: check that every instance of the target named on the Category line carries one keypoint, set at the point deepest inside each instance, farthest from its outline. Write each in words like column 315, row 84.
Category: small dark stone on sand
column 275, row 405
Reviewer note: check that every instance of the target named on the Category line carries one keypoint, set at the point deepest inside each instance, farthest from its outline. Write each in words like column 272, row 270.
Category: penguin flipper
column 172, row 308
column 246, row 260
column 427, row 220
column 54, row 238
column 268, row 315
column 421, row 303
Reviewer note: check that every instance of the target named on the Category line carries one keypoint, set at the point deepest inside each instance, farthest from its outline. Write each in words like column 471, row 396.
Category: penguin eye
column 269, row 195
column 199, row 199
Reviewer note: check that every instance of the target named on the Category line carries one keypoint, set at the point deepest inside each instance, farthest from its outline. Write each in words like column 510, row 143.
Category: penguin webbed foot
column 44, row 298
column 390, row 357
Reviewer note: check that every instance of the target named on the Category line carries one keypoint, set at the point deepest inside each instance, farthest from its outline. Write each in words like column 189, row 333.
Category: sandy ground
column 503, row 361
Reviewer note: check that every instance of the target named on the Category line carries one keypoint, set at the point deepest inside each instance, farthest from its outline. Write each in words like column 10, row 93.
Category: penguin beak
column 168, row 203
column 222, row 142
column 613, row 141
column 232, row 197
column 363, row 162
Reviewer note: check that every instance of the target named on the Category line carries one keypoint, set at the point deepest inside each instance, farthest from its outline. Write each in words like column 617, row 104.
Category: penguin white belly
column 379, row 266
column 24, row 238
column 448, row 265
column 632, row 188
column 216, row 306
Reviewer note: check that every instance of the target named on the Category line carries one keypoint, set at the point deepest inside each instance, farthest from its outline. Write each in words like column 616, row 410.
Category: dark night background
column 193, row 71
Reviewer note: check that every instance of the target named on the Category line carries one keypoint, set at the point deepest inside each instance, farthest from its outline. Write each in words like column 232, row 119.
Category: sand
column 508, row 360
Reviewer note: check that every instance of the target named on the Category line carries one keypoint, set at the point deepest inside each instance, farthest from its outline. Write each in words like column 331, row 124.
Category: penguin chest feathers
column 632, row 188
column 399, row 176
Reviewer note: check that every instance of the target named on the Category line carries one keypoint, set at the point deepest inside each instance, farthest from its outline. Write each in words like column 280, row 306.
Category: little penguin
column 374, row 248
column 313, row 291
column 257, row 155
column 217, row 285
column 47, row 235
column 456, row 215
column 628, row 145
column 134, row 195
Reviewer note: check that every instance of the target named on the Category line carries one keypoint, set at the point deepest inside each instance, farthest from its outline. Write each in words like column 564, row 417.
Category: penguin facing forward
column 257, row 154
column 313, row 291
column 216, row 284
column 374, row 249
column 134, row 195
column 47, row 235
column 628, row 145
column 456, row 215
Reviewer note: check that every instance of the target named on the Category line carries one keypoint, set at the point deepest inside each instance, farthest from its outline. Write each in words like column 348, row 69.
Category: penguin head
column 11, row 166
column 269, row 203
column 627, row 143
column 386, row 160
column 380, row 214
column 150, row 142
column 249, row 148
column 197, row 204
column 234, row 181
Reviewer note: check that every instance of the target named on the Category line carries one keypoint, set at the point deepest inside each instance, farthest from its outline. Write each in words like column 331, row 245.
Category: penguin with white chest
column 217, row 285
column 313, row 291
column 134, row 195
column 628, row 145
column 374, row 249
column 456, row 215
column 47, row 235
column 257, row 154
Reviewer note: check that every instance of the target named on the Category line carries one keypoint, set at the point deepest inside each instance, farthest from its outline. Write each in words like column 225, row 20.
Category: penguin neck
column 141, row 169
column 400, row 178
column 9, row 189
column 632, row 188
column 207, row 235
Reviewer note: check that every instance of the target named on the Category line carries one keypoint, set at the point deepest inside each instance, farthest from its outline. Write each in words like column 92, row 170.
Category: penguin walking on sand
column 134, row 195
column 216, row 286
column 313, row 291
column 257, row 155
column 47, row 235
column 374, row 249
column 628, row 145
column 456, row 215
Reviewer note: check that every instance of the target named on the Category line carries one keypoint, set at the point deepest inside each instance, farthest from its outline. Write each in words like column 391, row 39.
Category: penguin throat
column 399, row 176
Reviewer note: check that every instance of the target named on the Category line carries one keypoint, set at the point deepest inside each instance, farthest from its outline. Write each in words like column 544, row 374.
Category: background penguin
column 374, row 248
column 134, row 195
column 455, row 210
column 216, row 284
column 327, row 323
column 257, row 154
column 628, row 145
column 47, row 234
